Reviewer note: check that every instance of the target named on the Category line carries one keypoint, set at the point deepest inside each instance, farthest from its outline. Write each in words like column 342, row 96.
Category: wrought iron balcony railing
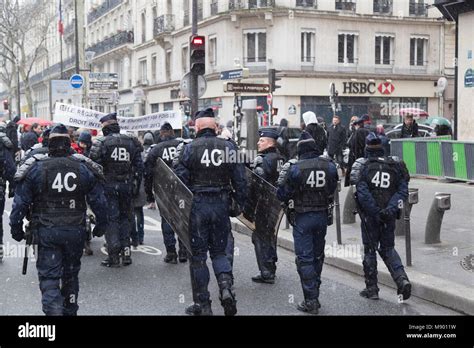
column 110, row 43
column 163, row 24
column 235, row 5
column 106, row 6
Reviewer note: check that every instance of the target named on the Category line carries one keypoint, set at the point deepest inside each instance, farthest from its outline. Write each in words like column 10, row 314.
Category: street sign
column 110, row 97
column 185, row 85
column 269, row 99
column 235, row 74
column 100, row 76
column 76, row 81
column 246, row 88
column 103, row 85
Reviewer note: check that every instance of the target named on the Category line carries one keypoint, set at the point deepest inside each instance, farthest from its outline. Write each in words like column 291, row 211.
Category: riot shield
column 262, row 212
column 174, row 201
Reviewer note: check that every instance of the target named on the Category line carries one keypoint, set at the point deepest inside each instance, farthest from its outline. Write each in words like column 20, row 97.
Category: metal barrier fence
column 436, row 157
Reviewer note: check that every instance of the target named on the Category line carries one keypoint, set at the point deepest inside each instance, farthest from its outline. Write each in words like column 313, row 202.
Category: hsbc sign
column 384, row 88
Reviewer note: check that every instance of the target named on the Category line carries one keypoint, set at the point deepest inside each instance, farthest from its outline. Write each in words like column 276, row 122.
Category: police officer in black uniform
column 166, row 150
column 382, row 187
column 55, row 187
column 306, row 187
column 7, row 172
column 267, row 165
column 211, row 177
column 120, row 155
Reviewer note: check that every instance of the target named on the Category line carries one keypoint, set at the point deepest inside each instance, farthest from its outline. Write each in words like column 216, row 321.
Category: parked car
column 423, row 130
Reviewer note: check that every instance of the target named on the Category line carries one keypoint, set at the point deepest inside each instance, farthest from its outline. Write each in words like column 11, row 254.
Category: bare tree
column 24, row 29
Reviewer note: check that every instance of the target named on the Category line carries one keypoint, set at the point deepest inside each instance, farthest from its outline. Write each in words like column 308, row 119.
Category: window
column 418, row 48
column 142, row 71
column 347, row 48
column 186, row 13
column 417, row 8
column 346, row 5
column 185, row 59
column 154, row 68
column 214, row 7
column 200, row 10
column 168, row 65
column 383, row 6
column 168, row 106
column 256, row 47
column 383, row 49
column 306, row 3
column 143, row 27
column 307, row 47
column 213, row 51
column 260, row 3
column 155, row 108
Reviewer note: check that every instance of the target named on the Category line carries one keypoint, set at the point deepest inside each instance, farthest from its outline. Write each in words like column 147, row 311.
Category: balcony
column 70, row 30
column 163, row 25
column 106, row 6
column 307, row 3
column 186, row 18
column 383, row 7
column 345, row 5
column 418, row 9
column 236, row 5
column 53, row 70
column 113, row 42
column 214, row 8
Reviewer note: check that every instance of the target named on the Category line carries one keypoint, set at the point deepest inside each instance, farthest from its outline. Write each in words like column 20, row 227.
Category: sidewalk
column 436, row 274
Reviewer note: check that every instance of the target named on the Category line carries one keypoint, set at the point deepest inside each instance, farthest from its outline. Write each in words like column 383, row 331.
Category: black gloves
column 234, row 208
column 11, row 192
column 18, row 234
column 98, row 231
column 384, row 215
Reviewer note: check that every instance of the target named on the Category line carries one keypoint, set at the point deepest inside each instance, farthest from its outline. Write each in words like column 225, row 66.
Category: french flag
column 60, row 22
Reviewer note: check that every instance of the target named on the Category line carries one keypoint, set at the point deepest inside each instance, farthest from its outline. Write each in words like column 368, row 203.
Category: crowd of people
column 66, row 171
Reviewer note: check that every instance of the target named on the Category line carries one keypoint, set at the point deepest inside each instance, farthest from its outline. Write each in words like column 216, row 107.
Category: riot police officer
column 7, row 172
column 120, row 155
column 382, row 187
column 306, row 186
column 166, row 150
column 211, row 177
column 267, row 165
column 54, row 187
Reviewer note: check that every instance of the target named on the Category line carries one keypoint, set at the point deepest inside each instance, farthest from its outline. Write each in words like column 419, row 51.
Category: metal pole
column 406, row 217
column 76, row 30
column 18, row 89
column 194, row 78
column 337, row 207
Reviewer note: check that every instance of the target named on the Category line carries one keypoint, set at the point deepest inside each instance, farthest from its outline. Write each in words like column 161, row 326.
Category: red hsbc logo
column 386, row 88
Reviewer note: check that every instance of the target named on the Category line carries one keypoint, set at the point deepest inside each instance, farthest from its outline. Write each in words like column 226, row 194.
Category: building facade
column 381, row 54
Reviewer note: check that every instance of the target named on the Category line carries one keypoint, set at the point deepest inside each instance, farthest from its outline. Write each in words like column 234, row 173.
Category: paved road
column 151, row 287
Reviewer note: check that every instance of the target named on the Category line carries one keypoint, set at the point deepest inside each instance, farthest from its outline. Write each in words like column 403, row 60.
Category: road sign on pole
column 185, row 85
column 77, row 81
column 235, row 74
column 246, row 88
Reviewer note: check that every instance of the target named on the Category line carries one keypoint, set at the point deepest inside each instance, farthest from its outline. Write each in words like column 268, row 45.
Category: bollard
column 348, row 216
column 412, row 199
column 338, row 213
column 441, row 203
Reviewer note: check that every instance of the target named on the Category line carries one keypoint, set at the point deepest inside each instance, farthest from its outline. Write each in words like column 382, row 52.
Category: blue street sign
column 234, row 74
column 469, row 78
column 77, row 81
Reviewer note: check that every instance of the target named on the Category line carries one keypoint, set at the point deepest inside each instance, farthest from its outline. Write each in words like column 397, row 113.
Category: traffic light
column 272, row 79
column 198, row 54
column 5, row 104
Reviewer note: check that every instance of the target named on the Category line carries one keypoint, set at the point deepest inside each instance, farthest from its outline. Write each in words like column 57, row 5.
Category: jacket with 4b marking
column 120, row 155
column 382, row 184
column 309, row 182
column 167, row 151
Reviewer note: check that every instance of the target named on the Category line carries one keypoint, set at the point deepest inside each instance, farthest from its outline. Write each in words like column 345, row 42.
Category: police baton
column 338, row 212
column 29, row 241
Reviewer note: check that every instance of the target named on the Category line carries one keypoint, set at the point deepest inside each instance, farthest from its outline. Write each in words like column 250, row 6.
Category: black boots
column 404, row 287
column 309, row 306
column 270, row 279
column 201, row 309
column 112, row 261
column 182, row 255
column 171, row 257
column 227, row 295
column 126, row 256
column 370, row 293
